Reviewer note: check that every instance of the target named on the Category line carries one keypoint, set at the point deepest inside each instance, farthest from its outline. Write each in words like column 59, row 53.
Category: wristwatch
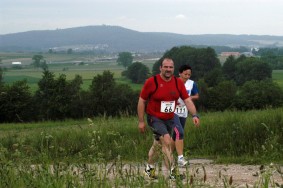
column 195, row 115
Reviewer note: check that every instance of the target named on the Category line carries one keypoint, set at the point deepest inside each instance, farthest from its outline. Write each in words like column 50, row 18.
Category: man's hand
column 141, row 127
column 196, row 121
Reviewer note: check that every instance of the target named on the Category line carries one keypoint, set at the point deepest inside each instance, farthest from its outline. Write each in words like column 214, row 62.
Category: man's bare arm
column 194, row 97
column 192, row 109
column 141, row 112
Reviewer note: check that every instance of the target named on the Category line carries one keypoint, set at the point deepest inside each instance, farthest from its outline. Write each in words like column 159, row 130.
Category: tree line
column 59, row 99
column 240, row 84
column 273, row 56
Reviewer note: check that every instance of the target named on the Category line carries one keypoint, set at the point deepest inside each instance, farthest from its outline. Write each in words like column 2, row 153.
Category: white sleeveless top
column 181, row 109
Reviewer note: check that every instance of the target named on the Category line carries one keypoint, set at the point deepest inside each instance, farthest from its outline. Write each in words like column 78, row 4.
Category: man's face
column 167, row 68
column 185, row 75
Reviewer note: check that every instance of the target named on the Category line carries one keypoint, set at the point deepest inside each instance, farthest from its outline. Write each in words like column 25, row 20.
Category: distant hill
column 117, row 39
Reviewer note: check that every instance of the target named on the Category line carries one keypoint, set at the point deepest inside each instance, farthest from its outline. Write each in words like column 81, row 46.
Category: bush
column 258, row 95
column 221, row 97
column 252, row 69
column 137, row 72
column 109, row 98
column 16, row 102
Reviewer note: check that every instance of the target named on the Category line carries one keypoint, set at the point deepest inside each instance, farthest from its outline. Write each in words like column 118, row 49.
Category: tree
column 50, row 51
column 257, row 94
column 214, row 77
column 44, row 95
column 76, row 106
column 229, row 68
column 70, row 51
column 272, row 56
column 110, row 99
column 125, row 59
column 101, row 91
column 124, row 102
column 58, row 98
column 221, row 97
column 16, row 102
column 137, row 72
column 143, row 74
column 39, row 62
column 202, row 60
column 252, row 69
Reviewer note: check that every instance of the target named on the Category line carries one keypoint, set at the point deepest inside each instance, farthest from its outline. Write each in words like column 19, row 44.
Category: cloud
column 180, row 16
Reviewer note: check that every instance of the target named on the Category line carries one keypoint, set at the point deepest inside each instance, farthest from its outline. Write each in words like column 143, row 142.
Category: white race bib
column 167, row 106
column 181, row 111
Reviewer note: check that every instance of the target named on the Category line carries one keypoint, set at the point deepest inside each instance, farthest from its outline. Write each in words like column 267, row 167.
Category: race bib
column 167, row 106
column 181, row 110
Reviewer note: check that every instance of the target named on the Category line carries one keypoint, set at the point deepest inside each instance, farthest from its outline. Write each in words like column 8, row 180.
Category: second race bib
column 181, row 111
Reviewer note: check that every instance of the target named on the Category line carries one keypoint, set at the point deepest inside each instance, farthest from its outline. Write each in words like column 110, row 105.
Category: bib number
column 167, row 106
column 181, row 110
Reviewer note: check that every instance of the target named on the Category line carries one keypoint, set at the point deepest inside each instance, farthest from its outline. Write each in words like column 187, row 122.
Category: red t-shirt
column 166, row 94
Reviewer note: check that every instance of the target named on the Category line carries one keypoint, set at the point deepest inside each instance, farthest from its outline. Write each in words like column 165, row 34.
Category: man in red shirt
column 161, row 94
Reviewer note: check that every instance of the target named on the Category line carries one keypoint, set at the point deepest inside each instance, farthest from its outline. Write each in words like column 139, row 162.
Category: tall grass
column 110, row 152
column 255, row 136
column 101, row 139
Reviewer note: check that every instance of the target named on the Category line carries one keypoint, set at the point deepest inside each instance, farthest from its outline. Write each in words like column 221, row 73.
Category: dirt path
column 205, row 171
column 200, row 173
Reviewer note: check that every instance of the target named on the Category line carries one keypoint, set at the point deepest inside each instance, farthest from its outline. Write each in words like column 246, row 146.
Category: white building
column 16, row 63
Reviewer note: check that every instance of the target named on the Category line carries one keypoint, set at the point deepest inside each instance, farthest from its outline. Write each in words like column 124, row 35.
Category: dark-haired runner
column 161, row 104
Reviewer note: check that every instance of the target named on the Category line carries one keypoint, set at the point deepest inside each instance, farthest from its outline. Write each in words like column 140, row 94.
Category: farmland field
column 87, row 72
column 85, row 65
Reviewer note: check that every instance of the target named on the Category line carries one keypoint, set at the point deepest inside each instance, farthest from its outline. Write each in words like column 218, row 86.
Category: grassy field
column 228, row 134
column 277, row 76
column 94, row 152
column 26, row 58
column 87, row 72
column 68, row 64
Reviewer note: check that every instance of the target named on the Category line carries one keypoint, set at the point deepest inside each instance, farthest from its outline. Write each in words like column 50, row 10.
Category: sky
column 258, row 17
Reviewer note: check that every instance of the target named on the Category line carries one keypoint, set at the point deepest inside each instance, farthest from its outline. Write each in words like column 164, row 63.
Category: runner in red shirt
column 162, row 100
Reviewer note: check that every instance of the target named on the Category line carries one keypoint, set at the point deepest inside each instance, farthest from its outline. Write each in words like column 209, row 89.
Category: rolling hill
column 117, row 39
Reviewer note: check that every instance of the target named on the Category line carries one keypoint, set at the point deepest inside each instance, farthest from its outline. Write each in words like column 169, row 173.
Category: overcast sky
column 259, row 17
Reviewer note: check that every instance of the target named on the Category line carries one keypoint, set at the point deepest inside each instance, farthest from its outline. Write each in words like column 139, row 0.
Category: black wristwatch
column 195, row 115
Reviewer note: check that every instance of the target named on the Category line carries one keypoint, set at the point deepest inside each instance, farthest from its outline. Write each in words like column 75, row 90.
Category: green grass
column 94, row 152
column 67, row 64
column 253, row 136
column 33, row 77
column 277, row 76
column 134, row 86
column 248, row 137
column 87, row 72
